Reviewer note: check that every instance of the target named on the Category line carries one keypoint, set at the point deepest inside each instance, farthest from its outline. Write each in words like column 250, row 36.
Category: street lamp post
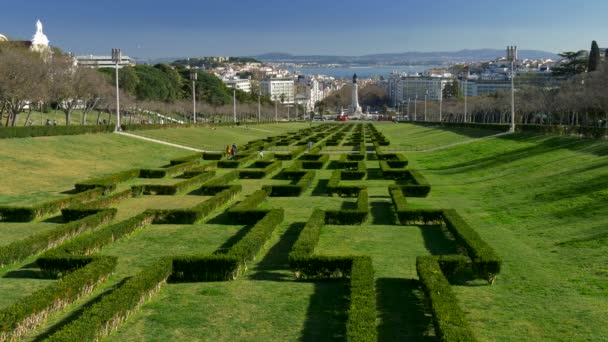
column 276, row 110
column 512, row 57
column 416, row 108
column 116, row 57
column 465, row 98
column 259, row 106
column 234, row 103
column 408, row 109
column 193, row 78
column 426, row 94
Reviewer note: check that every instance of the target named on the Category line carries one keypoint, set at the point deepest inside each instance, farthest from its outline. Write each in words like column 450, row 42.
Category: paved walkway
column 160, row 142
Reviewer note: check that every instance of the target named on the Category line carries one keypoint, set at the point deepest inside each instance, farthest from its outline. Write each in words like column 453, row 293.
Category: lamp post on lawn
column 234, row 103
column 415, row 108
column 116, row 57
column 193, row 78
column 259, row 106
column 512, row 57
column 426, row 94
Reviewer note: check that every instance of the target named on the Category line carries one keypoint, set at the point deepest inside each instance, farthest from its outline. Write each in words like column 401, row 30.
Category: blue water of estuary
column 361, row 71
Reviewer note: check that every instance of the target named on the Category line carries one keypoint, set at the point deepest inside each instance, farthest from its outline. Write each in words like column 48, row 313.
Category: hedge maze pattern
column 70, row 252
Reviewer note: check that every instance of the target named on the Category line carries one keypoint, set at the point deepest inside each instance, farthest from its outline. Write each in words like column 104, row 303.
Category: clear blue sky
column 152, row 29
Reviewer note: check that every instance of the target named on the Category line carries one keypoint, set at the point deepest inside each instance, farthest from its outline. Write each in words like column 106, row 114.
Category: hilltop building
column 92, row 61
column 279, row 89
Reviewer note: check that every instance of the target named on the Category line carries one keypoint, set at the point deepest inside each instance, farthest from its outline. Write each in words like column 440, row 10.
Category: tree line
column 32, row 81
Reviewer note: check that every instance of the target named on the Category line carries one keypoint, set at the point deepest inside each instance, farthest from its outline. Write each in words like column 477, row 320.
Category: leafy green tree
column 153, row 84
column 176, row 81
column 574, row 63
column 594, row 56
column 452, row 90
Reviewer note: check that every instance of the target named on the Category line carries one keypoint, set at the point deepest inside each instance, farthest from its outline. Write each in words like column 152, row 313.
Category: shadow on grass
column 402, row 310
column 333, row 165
column 29, row 271
column 382, row 213
column 321, row 188
column 374, row 174
column 222, row 218
column 77, row 313
column 348, row 205
column 437, row 241
column 327, row 312
column 232, row 240
column 276, row 257
column 54, row 219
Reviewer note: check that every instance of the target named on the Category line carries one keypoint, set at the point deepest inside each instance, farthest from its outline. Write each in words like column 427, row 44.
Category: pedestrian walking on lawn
column 234, row 150
column 228, row 151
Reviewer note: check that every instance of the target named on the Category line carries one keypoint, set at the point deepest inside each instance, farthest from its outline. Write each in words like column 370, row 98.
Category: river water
column 361, row 71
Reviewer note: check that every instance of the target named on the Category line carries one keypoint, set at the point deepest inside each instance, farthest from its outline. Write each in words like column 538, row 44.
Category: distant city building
column 279, row 88
column 239, row 84
column 409, row 87
column 92, row 61
column 308, row 92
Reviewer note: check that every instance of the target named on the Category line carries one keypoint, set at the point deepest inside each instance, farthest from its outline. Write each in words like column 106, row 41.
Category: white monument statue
column 355, row 109
column 39, row 41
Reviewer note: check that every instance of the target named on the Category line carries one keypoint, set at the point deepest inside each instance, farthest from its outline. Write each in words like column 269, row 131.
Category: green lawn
column 37, row 169
column 409, row 137
column 216, row 138
column 540, row 202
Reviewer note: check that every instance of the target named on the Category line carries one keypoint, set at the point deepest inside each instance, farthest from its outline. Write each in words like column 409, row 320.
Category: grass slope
column 541, row 203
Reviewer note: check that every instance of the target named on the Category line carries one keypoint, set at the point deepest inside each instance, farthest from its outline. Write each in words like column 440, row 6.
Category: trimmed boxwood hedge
column 301, row 181
column 102, row 318
column 172, row 189
column 27, row 214
column 168, row 171
column 412, row 217
column 486, row 263
column 221, row 195
column 41, row 131
column 204, row 268
column 76, row 212
column 350, row 217
column 248, row 247
column 30, row 311
column 308, row 238
column 266, row 170
column 245, row 211
column 108, row 182
column 21, row 249
column 213, row 155
column 334, row 187
column 361, row 322
column 449, row 320
column 59, row 259
column 290, row 155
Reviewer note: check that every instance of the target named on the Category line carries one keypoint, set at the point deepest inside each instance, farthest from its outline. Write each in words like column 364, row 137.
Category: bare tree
column 23, row 81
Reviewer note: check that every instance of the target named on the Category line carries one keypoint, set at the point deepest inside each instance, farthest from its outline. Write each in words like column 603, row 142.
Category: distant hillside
column 413, row 57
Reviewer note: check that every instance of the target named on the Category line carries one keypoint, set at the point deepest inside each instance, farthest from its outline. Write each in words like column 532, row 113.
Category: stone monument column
column 354, row 107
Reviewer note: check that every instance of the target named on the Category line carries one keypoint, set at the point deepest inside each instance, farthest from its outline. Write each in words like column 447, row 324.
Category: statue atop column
column 354, row 107
column 39, row 41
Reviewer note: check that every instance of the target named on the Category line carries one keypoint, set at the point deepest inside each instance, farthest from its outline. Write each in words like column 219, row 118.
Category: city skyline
column 152, row 29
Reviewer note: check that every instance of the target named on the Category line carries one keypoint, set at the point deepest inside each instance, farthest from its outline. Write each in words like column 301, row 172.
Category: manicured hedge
column 168, row 171
column 204, row 268
column 41, row 131
column 247, row 248
column 420, row 217
column 237, row 162
column 245, row 211
column 391, row 173
column 27, row 214
column 308, row 238
column 21, row 249
column 212, row 155
column 195, row 171
column 222, row 182
column 30, row 311
column 486, row 263
column 103, row 317
column 290, row 155
column 399, row 200
column 334, row 187
column 267, row 170
column 76, row 212
column 172, row 189
column 394, row 160
column 350, row 217
column 221, row 196
column 301, row 180
column 108, row 182
column 449, row 320
column 361, row 322
column 59, row 259
column 190, row 158
column 321, row 267
column 356, row 173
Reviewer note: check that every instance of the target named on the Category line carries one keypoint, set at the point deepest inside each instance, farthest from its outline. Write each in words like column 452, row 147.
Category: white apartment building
column 92, row 61
column 308, row 92
column 411, row 88
column 484, row 87
column 279, row 88
column 239, row 84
